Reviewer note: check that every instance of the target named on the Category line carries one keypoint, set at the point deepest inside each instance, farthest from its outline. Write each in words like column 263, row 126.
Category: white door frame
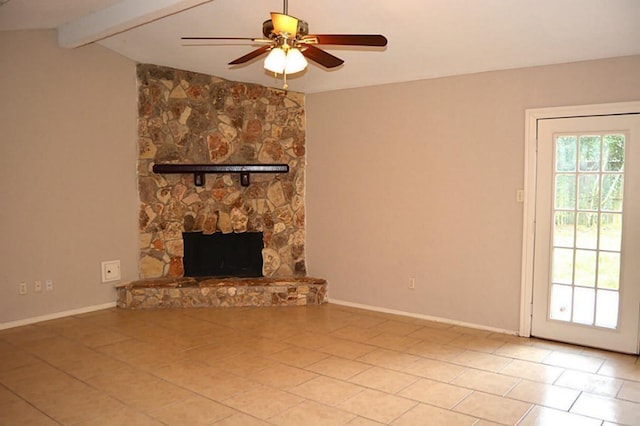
column 530, row 165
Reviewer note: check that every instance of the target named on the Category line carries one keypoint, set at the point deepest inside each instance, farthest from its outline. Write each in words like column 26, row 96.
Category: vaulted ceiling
column 427, row 38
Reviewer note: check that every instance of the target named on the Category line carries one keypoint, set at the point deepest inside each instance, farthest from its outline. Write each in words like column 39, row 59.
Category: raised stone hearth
column 186, row 292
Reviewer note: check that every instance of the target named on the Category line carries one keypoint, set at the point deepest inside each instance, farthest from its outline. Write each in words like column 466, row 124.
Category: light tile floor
column 317, row 365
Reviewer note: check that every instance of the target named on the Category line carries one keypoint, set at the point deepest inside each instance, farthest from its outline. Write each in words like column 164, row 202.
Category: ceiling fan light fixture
column 280, row 61
column 296, row 62
column 276, row 60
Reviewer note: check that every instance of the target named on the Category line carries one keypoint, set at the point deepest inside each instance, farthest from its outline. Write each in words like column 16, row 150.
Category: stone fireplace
column 191, row 118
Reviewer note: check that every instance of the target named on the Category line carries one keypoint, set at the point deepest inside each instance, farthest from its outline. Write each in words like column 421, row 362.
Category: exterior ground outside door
column 568, row 277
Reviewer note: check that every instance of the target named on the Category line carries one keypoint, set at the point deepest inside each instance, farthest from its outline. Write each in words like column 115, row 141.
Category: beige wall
column 419, row 180
column 67, row 172
column 406, row 180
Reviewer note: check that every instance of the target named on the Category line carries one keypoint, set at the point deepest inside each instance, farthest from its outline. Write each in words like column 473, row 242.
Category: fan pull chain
column 285, row 86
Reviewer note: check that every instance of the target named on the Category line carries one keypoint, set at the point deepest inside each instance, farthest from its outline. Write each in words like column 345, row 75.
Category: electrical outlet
column 37, row 286
column 412, row 283
column 22, row 289
column 110, row 270
column 48, row 285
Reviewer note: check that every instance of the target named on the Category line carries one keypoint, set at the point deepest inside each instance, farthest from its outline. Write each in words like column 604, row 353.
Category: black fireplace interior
column 223, row 255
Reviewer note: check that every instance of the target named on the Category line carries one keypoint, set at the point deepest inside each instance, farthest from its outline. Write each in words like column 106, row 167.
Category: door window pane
column 610, row 231
column 609, row 270
column 585, row 271
column 566, row 148
column 587, row 230
column 560, row 302
column 612, row 192
column 588, row 192
column 565, row 192
column 589, row 153
column 613, row 153
column 583, row 305
column 563, row 229
column 562, row 266
column 607, row 309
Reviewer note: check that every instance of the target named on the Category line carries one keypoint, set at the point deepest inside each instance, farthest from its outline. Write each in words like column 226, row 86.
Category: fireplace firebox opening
column 223, row 255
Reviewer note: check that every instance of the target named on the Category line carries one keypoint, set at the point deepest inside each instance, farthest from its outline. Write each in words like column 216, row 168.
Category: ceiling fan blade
column 325, row 59
column 346, row 39
column 249, row 56
column 224, row 38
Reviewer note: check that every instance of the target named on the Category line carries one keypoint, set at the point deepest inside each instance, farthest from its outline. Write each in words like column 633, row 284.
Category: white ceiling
column 427, row 38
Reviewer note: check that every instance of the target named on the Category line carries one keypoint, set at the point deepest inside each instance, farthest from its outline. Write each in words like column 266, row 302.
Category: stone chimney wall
column 191, row 118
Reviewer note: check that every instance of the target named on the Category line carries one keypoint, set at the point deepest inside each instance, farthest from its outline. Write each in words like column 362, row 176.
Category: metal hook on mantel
column 199, row 170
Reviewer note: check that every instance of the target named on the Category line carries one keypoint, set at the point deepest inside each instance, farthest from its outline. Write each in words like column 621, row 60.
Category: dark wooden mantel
column 199, row 170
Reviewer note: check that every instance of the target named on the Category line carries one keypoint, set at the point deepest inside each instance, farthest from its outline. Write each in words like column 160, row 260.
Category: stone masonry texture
column 190, row 118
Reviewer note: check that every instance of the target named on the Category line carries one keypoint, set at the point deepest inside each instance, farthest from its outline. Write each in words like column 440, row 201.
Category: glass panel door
column 586, row 277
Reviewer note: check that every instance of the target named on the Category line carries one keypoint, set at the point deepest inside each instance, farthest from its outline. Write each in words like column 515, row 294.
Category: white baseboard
column 424, row 317
column 12, row 324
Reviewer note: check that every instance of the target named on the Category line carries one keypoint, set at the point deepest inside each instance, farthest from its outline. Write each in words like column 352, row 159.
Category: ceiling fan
column 288, row 43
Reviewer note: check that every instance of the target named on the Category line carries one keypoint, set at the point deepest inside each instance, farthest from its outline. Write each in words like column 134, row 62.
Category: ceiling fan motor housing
column 267, row 29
